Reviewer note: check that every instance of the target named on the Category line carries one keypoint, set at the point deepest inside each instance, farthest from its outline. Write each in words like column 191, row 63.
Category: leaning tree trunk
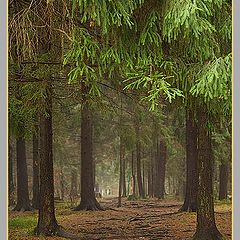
column 88, row 199
column 190, row 201
column 35, row 199
column 138, row 153
column 23, row 202
column 206, row 226
column 10, row 175
column 223, row 181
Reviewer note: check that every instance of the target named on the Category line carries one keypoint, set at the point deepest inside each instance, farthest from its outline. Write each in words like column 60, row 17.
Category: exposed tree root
column 55, row 230
column 90, row 205
column 208, row 234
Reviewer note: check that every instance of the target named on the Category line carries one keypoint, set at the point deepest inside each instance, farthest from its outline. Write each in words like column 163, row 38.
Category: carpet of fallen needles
column 142, row 219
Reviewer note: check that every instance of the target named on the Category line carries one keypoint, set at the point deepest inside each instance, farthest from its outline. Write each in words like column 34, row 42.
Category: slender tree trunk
column 23, row 202
column 223, row 181
column 88, row 199
column 10, row 175
column 206, row 226
column 143, row 179
column 138, row 152
column 62, row 180
column 74, row 188
column 35, row 199
column 190, row 201
column 124, row 193
column 162, row 170
column 150, row 186
column 120, row 173
column 133, row 176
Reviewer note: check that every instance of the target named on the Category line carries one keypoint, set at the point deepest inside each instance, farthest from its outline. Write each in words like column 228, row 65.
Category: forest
column 120, row 119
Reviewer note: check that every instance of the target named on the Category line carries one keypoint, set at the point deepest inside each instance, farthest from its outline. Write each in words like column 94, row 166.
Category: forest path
column 144, row 219
column 148, row 219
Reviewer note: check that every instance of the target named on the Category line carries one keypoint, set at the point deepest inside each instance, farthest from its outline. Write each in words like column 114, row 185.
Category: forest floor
column 143, row 219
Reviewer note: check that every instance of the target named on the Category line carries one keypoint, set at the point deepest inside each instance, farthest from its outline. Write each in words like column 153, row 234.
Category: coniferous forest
column 120, row 119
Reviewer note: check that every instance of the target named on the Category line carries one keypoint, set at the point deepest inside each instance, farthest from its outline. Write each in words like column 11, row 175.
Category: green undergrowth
column 25, row 224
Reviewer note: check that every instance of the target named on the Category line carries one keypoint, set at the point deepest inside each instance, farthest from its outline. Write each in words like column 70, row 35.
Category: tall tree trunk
column 120, row 173
column 23, row 202
column 62, row 180
column 133, row 177
column 150, row 185
column 162, row 170
column 206, row 226
column 47, row 223
column 138, row 153
column 74, row 187
column 10, row 175
column 124, row 193
column 143, row 179
column 35, row 199
column 223, row 181
column 190, row 201
column 88, row 199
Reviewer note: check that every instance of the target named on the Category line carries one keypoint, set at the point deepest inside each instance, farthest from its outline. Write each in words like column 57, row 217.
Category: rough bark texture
column 47, row 224
column 206, row 226
column 190, row 201
column 35, row 199
column 23, row 202
column 88, row 200
column 223, row 181
column 10, row 175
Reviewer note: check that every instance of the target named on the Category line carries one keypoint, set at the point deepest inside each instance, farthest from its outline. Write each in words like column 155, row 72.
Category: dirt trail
column 143, row 219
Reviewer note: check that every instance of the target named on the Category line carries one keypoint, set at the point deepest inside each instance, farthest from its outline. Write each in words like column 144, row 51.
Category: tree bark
column 62, row 180
column 133, row 177
column 162, row 167
column 88, row 200
column 120, row 173
column 190, row 201
column 124, row 192
column 206, row 226
column 47, row 223
column 138, row 152
column 35, row 199
column 23, row 202
column 74, row 188
column 10, row 175
column 223, row 181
